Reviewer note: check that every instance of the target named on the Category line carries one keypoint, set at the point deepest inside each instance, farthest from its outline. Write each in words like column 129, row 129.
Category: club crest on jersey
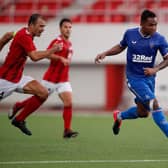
column 141, row 58
column 151, row 45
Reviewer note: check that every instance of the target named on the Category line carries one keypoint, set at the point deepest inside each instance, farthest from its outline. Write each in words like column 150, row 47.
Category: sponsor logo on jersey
column 141, row 58
column 151, row 45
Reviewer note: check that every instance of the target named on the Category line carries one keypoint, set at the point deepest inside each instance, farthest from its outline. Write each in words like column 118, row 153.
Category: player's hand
column 150, row 71
column 99, row 58
column 58, row 47
column 65, row 61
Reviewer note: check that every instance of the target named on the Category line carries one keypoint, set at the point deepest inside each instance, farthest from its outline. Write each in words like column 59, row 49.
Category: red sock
column 67, row 116
column 30, row 105
column 20, row 105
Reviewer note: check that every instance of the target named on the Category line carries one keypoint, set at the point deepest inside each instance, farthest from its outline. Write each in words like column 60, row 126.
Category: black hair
column 147, row 14
column 33, row 18
column 64, row 20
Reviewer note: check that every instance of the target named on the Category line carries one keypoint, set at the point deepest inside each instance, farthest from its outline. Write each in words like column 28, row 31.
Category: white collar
column 144, row 36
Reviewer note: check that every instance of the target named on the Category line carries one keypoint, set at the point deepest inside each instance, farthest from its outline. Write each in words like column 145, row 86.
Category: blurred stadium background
column 97, row 25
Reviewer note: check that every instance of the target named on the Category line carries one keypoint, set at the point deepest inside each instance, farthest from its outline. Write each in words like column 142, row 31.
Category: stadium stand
column 119, row 11
column 93, row 11
column 18, row 11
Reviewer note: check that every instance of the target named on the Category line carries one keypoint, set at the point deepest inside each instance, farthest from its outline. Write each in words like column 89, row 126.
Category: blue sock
column 131, row 113
column 160, row 120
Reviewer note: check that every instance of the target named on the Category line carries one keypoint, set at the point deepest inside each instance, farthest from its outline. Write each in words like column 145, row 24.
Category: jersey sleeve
column 163, row 47
column 123, row 42
column 27, row 43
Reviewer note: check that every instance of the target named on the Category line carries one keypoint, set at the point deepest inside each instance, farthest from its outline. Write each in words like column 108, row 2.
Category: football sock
column 131, row 113
column 67, row 116
column 20, row 105
column 32, row 104
column 161, row 121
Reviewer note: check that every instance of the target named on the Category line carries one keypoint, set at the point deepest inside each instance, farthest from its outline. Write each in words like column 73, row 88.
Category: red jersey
column 12, row 68
column 57, row 71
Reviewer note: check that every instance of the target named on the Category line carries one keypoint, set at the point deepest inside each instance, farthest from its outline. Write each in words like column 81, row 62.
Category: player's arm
column 5, row 39
column 155, row 69
column 113, row 51
column 38, row 55
column 56, row 57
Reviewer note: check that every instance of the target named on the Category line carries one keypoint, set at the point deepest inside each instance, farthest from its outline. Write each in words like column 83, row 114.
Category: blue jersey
column 142, row 51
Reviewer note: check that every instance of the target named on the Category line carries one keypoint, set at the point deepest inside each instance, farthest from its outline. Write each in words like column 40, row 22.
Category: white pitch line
column 80, row 161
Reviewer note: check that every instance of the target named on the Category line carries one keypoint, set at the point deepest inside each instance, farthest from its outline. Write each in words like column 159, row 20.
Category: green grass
column 96, row 146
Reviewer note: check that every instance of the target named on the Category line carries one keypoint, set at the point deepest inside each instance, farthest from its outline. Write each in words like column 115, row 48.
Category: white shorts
column 7, row 87
column 58, row 87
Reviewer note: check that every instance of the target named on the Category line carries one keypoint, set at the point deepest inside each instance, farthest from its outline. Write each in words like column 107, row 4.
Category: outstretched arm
column 38, row 55
column 5, row 39
column 55, row 57
column 113, row 51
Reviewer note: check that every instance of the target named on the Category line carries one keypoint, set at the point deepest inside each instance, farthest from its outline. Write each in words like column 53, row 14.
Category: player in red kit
column 56, row 78
column 11, row 71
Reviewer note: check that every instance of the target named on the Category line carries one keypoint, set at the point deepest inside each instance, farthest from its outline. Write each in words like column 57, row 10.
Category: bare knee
column 67, row 104
column 155, row 104
column 66, row 98
column 143, row 114
column 35, row 88
column 142, row 111
column 43, row 94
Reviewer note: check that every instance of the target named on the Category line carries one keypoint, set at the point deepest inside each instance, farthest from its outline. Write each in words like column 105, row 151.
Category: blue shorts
column 142, row 88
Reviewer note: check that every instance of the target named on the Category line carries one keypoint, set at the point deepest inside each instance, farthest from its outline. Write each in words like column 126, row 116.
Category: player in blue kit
column 142, row 45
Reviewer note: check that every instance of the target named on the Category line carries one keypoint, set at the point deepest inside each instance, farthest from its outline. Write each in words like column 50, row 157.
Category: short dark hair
column 147, row 14
column 64, row 20
column 33, row 18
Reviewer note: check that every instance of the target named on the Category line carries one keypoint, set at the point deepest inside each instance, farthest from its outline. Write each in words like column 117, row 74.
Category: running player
column 142, row 45
column 56, row 79
column 11, row 71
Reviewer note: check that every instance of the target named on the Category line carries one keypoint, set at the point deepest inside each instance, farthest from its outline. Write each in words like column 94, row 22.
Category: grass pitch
column 139, row 144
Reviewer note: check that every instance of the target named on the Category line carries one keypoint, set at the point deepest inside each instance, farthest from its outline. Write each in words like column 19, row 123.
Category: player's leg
column 30, row 105
column 65, row 94
column 151, row 104
column 159, row 117
column 66, row 98
column 21, row 104
column 17, row 107
column 139, row 88
column 32, row 100
column 6, row 88
column 118, row 116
